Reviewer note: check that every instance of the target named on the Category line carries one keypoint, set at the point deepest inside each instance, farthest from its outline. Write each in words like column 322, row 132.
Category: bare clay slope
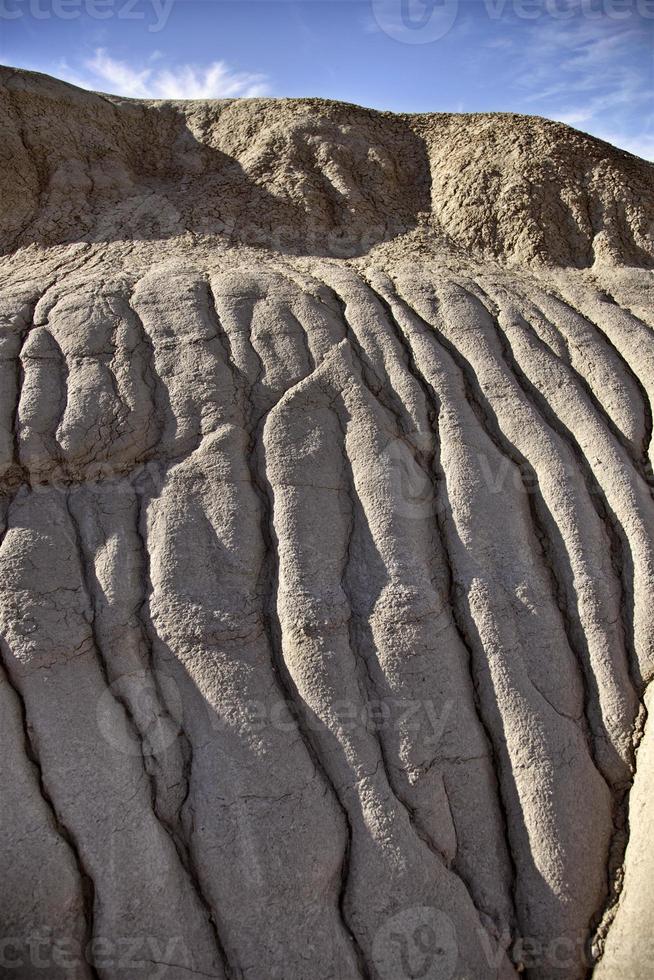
column 327, row 547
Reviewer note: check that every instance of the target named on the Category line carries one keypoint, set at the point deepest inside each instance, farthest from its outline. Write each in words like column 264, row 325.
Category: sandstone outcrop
column 327, row 542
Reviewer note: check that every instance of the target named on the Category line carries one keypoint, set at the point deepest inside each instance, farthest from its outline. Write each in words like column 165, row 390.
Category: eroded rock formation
column 327, row 551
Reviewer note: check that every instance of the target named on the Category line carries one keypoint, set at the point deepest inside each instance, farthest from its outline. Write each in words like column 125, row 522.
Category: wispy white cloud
column 640, row 145
column 156, row 80
column 600, row 82
column 500, row 44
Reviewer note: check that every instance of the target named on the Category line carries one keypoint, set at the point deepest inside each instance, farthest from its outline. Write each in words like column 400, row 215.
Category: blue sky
column 586, row 62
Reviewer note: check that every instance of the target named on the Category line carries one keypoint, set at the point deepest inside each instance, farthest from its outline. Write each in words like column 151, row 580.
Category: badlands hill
column 327, row 543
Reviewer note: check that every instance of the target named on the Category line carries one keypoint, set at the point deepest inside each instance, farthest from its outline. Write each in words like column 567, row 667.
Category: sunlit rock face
column 327, row 543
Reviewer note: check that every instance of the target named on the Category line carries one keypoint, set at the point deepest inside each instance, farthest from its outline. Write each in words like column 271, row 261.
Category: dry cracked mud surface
column 327, row 543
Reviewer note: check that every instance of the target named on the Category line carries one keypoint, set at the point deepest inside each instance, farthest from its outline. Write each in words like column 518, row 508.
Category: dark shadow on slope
column 319, row 179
